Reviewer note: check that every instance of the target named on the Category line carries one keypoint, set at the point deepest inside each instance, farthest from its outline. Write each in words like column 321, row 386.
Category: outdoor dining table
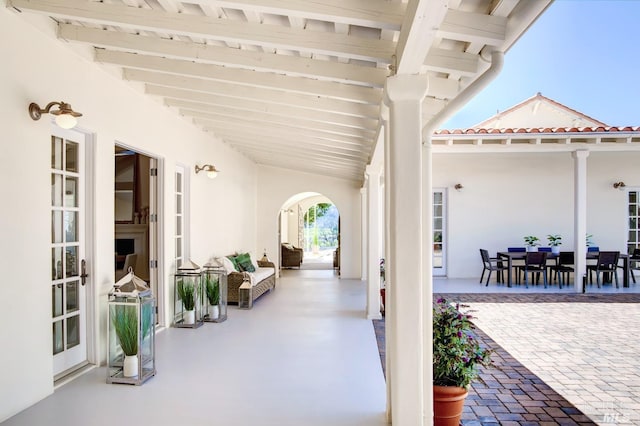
column 510, row 256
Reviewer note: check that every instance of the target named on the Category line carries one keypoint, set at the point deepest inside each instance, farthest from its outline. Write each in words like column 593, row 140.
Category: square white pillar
column 404, row 98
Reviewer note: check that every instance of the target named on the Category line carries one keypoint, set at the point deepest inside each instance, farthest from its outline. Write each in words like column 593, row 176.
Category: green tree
column 319, row 209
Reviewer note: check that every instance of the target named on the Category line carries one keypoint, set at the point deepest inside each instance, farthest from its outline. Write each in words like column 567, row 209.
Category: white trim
column 93, row 301
column 160, row 225
column 442, row 272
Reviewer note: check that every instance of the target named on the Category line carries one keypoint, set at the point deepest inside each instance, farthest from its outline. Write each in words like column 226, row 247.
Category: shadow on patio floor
column 510, row 394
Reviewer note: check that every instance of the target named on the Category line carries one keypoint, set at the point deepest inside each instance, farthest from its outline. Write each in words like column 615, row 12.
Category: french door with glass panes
column 68, row 267
column 633, row 241
column 439, row 233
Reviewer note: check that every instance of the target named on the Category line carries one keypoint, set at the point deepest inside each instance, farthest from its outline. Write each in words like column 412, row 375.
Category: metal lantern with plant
column 188, row 297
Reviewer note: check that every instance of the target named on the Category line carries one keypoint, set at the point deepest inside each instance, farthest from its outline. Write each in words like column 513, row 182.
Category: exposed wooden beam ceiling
column 295, row 84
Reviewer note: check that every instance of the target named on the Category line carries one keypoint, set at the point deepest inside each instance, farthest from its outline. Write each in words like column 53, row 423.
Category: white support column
column 363, row 232
column 580, row 216
column 404, row 96
column 373, row 238
column 427, row 262
column 389, row 311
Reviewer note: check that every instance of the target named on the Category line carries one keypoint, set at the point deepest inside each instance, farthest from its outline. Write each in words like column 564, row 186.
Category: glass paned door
column 439, row 252
column 68, row 314
column 634, row 221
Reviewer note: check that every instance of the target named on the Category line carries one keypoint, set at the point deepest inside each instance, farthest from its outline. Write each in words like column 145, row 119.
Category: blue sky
column 582, row 53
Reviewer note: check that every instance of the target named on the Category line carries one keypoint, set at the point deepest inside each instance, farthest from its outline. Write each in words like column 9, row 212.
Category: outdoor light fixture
column 210, row 169
column 619, row 185
column 458, row 187
column 66, row 117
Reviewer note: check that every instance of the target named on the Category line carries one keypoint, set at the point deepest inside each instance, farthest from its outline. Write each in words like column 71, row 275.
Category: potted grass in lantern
column 125, row 323
column 187, row 293
column 212, row 289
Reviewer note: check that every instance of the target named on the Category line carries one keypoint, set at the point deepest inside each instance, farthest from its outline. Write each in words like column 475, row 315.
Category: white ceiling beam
column 217, row 98
column 206, row 53
column 366, row 13
column 287, row 150
column 501, row 8
column 443, row 88
column 259, row 94
column 431, row 106
column 228, row 30
column 300, row 158
column 256, row 119
column 279, row 113
column 240, row 76
column 418, row 32
column 302, row 137
column 447, row 61
column 257, row 137
column 301, row 166
column 474, row 28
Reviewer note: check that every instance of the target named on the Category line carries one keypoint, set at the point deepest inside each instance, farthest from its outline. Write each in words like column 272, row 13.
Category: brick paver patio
column 561, row 359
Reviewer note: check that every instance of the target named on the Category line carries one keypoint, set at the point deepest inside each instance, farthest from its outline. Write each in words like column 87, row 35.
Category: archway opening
column 309, row 232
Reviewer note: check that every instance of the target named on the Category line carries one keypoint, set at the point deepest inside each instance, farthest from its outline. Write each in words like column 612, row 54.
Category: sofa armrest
column 264, row 264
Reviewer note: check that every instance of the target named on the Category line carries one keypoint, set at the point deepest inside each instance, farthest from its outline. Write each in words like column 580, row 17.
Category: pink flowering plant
column 456, row 351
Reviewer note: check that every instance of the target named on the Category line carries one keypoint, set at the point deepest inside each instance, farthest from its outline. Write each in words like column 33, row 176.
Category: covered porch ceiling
column 296, row 84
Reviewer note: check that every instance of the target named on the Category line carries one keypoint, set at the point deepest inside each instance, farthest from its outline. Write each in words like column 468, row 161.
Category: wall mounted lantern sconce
column 66, row 117
column 210, row 169
column 619, row 185
column 458, row 187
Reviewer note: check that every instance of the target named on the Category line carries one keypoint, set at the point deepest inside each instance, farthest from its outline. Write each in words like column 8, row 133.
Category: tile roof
column 492, row 131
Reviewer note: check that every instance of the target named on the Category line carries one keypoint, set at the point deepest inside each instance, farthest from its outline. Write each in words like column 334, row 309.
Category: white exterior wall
column 276, row 186
column 38, row 68
column 508, row 196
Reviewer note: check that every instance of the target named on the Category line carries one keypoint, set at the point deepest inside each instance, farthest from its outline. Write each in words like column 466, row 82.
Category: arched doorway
column 309, row 222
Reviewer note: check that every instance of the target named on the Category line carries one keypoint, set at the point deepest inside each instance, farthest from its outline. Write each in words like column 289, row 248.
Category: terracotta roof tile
column 482, row 130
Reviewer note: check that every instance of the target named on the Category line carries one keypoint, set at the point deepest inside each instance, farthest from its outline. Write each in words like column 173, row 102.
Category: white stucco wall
column 276, row 186
column 508, row 196
column 38, row 68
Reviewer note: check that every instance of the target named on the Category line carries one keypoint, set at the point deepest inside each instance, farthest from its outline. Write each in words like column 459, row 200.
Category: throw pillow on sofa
column 227, row 264
column 244, row 262
column 234, row 260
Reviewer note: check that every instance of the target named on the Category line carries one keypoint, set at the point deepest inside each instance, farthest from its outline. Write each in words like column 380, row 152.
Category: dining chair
column 535, row 263
column 516, row 264
column 607, row 263
column 550, row 262
column 565, row 263
column 634, row 263
column 492, row 264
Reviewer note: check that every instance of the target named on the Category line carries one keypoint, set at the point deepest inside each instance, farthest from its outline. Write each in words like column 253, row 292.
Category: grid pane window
column 634, row 215
column 179, row 233
column 438, row 226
